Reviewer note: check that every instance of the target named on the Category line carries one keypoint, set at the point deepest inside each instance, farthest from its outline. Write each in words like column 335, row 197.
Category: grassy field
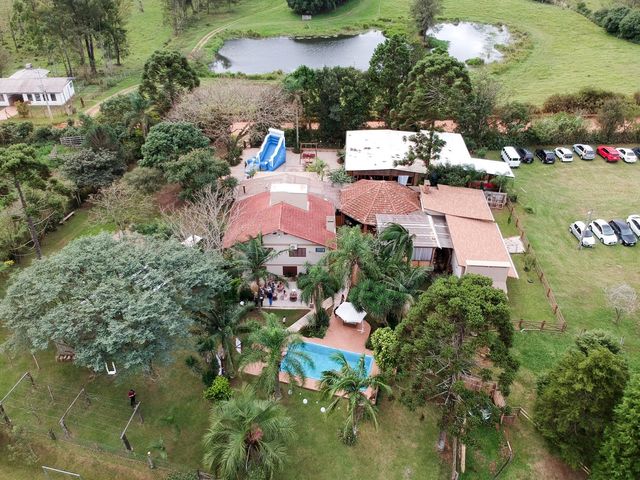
column 562, row 43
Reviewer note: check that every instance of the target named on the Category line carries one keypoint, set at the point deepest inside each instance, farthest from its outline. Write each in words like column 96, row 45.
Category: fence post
column 520, row 324
column 542, row 325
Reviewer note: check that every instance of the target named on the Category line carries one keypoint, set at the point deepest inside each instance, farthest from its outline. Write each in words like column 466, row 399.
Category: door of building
column 290, row 271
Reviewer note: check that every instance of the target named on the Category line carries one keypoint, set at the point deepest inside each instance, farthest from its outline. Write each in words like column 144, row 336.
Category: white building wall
column 281, row 241
column 458, row 270
column 4, row 100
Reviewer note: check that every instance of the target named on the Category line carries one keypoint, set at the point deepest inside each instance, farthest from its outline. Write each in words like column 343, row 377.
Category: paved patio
column 339, row 336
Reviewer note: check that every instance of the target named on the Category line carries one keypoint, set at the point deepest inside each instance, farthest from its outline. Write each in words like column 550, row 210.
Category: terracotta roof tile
column 366, row 198
column 254, row 215
column 458, row 201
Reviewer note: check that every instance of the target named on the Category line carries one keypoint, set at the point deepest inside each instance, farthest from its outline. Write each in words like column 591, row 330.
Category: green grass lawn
column 291, row 315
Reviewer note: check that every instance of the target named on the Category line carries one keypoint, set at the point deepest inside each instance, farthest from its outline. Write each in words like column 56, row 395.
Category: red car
column 610, row 154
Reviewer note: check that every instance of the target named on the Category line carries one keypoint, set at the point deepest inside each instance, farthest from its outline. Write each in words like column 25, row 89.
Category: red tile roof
column 366, row 198
column 255, row 215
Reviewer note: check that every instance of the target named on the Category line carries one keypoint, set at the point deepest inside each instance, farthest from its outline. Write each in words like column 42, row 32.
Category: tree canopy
column 424, row 14
column 112, row 300
column 166, row 75
column 195, row 170
column 167, row 141
column 311, row 7
column 576, row 400
column 91, row 170
column 440, row 339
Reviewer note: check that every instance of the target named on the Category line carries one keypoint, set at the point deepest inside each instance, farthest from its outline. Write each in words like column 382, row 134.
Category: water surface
column 265, row 55
column 472, row 40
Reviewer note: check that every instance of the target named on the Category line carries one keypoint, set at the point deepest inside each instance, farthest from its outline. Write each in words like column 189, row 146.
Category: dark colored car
column 546, row 156
column 636, row 151
column 525, row 155
column 623, row 232
column 610, row 154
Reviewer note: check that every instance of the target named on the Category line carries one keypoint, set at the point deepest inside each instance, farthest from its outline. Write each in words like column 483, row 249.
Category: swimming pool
column 322, row 360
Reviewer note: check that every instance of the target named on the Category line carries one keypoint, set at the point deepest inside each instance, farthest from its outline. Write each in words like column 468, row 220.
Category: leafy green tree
column 353, row 256
column 312, row 7
column 591, row 339
column 424, row 13
column 454, row 175
column 376, row 299
column 424, row 147
column 267, row 344
column 316, row 285
column 166, row 75
column 247, row 438
column 195, row 170
column 19, row 164
column 167, row 141
column 112, row 300
column 91, row 170
column 251, row 258
column 352, row 383
column 514, row 118
column 619, row 457
column 121, row 205
column 629, row 28
column 576, row 400
column 385, row 347
column 430, row 91
column 144, row 179
column 390, row 64
column 440, row 339
column 612, row 116
column 339, row 176
column 474, row 111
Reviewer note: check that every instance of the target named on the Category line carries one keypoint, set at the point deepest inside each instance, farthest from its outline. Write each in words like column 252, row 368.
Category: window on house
column 53, row 97
column 298, row 252
column 320, row 249
column 37, row 97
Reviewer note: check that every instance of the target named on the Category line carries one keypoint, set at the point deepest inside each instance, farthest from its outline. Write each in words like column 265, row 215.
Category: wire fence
column 561, row 325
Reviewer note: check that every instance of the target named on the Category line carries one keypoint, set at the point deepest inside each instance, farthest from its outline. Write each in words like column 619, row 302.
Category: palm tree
column 354, row 254
column 316, row 285
column 141, row 114
column 351, row 383
column 396, row 242
column 269, row 344
column 251, row 258
column 227, row 323
column 247, row 435
column 406, row 280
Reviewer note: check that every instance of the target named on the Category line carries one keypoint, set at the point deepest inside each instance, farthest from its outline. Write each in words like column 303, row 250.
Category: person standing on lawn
column 132, row 397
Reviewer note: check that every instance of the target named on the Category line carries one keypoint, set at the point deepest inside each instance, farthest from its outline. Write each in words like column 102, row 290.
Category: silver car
column 582, row 233
column 585, row 152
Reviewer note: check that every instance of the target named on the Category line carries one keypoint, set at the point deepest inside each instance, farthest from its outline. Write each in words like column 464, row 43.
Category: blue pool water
column 322, row 361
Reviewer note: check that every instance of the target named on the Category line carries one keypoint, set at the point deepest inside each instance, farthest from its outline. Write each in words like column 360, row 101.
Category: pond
column 264, row 55
column 472, row 40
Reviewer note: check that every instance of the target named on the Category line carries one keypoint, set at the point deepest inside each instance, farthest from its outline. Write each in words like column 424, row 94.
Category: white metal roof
column 348, row 313
column 30, row 73
column 289, row 188
column 379, row 149
column 428, row 231
column 33, row 85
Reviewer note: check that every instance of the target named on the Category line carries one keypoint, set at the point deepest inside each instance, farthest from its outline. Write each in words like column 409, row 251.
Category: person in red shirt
column 132, row 397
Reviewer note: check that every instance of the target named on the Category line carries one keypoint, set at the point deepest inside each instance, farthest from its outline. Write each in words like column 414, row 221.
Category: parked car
column 610, row 154
column 627, row 155
column 526, row 156
column 564, row 154
column 634, row 224
column 624, row 233
column 585, row 152
column 581, row 232
column 546, row 156
column 603, row 232
column 510, row 156
column 636, row 151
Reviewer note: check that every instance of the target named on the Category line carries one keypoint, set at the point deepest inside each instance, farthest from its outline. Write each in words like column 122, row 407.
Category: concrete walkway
column 8, row 112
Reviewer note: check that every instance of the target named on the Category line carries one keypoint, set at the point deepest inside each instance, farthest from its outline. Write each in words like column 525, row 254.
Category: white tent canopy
column 348, row 313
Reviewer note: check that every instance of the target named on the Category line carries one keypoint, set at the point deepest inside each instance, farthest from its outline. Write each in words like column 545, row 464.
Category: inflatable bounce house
column 271, row 155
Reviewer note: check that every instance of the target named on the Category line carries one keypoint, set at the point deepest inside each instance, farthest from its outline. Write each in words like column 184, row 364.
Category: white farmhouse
column 33, row 86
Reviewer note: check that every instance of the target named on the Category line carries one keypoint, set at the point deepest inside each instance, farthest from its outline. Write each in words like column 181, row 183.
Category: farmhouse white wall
column 281, row 241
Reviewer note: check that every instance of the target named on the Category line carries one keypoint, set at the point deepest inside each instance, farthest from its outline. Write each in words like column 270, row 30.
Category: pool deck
column 339, row 336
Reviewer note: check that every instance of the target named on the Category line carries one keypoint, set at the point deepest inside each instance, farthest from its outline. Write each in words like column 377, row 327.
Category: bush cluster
column 311, row 7
column 587, row 100
column 621, row 21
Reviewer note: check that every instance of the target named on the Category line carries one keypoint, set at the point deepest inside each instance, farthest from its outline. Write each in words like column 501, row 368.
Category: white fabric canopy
column 348, row 313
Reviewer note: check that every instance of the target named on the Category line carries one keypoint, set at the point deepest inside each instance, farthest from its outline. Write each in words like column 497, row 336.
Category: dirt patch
column 168, row 199
column 551, row 468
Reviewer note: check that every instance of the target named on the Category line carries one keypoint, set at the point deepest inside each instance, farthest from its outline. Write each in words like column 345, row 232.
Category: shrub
column 22, row 109
column 219, row 390
column 629, row 28
column 339, row 176
column 615, row 15
column 311, row 7
column 559, row 128
column 475, row 62
column 44, row 134
column 146, row 180
column 182, row 476
column 588, row 100
column 384, row 342
column 91, row 170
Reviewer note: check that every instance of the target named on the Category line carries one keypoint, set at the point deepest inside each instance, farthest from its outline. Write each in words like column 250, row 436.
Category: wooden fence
column 74, row 141
column 529, row 325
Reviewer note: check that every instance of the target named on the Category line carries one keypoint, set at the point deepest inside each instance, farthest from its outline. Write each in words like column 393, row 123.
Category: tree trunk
column 277, row 393
column 32, row 228
column 88, row 41
column 116, row 46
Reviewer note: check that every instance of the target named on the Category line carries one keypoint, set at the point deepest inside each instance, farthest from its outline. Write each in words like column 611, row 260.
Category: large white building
column 33, row 86
column 372, row 154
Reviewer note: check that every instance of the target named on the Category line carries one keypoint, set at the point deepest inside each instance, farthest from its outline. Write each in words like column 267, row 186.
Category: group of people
column 269, row 291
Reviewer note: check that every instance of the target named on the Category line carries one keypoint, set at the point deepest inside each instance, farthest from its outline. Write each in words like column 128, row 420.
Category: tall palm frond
column 316, row 285
column 251, row 259
column 396, row 242
column 353, row 256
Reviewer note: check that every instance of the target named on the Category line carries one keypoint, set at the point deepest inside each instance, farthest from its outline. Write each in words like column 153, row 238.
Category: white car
column 627, row 155
column 603, row 232
column 585, row 152
column 582, row 233
column 564, row 154
column 634, row 224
